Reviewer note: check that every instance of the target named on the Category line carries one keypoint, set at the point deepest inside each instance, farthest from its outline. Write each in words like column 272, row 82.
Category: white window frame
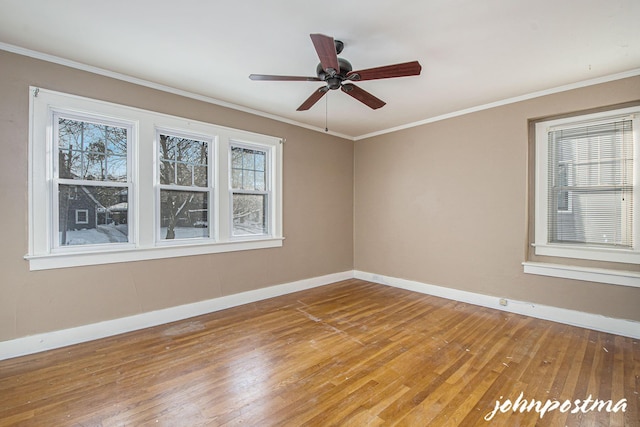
column 143, row 186
column 542, row 245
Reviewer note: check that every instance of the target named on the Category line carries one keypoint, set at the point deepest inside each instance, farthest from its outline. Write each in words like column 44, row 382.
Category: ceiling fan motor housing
column 335, row 80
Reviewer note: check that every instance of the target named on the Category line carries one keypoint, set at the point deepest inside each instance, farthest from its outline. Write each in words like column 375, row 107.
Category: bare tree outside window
column 184, row 187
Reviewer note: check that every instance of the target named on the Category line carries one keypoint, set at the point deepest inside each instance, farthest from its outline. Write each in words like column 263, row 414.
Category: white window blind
column 590, row 184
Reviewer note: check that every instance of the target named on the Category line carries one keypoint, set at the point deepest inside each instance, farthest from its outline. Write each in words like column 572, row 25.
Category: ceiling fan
column 338, row 73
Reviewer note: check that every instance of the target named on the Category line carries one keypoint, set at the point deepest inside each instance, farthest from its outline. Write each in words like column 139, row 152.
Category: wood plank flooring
column 352, row 353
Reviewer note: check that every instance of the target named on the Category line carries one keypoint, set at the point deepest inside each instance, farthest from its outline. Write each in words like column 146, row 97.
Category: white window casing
column 142, row 185
column 624, row 246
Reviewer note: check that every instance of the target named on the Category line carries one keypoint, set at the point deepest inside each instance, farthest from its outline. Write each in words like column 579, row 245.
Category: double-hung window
column 110, row 183
column 91, row 180
column 250, row 190
column 587, row 198
column 185, row 190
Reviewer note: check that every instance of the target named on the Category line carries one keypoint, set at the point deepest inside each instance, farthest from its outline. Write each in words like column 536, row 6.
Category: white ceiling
column 473, row 52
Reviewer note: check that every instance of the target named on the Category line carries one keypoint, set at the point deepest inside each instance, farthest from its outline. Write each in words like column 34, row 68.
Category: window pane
column 260, row 182
column 90, row 215
column 183, row 214
column 188, row 156
column 197, row 154
column 95, row 167
column 91, row 151
column 236, row 178
column 167, row 148
column 260, row 161
column 184, row 174
column 561, row 183
column 248, row 180
column 167, row 172
column 236, row 158
column 200, row 178
column 248, row 169
column 248, row 160
column 116, row 168
column 249, row 214
column 116, row 141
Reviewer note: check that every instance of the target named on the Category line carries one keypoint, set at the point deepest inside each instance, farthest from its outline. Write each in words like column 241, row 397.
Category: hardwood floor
column 352, row 353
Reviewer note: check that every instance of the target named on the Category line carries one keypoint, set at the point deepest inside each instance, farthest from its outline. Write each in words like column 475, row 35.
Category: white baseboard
column 56, row 339
column 627, row 328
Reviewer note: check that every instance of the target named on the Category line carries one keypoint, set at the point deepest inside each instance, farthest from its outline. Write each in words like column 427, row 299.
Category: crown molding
column 146, row 83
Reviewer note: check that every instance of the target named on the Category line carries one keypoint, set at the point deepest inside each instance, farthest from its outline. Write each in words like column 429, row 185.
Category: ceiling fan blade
column 326, row 49
column 267, row 77
column 362, row 96
column 315, row 97
column 412, row 68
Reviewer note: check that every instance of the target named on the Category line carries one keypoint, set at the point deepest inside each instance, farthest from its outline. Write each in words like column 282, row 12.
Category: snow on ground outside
column 118, row 233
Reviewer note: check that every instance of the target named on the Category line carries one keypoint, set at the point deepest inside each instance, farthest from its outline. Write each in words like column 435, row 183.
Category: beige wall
column 318, row 215
column 447, row 204
column 444, row 204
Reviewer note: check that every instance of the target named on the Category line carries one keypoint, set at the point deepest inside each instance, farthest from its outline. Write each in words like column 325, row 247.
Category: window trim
column 542, row 245
column 143, row 186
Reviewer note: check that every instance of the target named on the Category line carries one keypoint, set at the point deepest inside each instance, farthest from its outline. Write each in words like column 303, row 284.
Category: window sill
column 590, row 253
column 77, row 259
column 599, row 275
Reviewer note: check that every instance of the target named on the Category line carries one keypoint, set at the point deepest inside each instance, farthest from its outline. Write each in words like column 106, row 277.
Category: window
column 250, row 190
column 185, row 192
column 586, row 187
column 109, row 183
column 89, row 176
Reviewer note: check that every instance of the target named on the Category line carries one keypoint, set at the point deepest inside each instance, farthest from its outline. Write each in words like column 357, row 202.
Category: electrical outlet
column 503, row 301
